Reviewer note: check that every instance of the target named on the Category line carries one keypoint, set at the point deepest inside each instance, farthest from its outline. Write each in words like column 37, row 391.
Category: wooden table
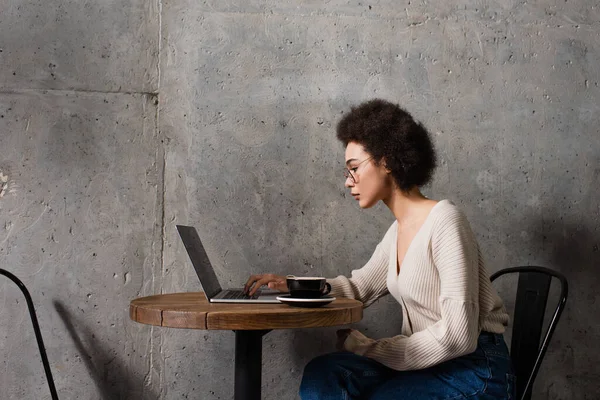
column 250, row 322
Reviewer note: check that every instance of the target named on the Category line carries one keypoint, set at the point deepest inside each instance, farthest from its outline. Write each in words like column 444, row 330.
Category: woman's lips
column 355, row 195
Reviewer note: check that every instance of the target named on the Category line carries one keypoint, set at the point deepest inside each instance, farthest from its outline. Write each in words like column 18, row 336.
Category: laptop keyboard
column 237, row 294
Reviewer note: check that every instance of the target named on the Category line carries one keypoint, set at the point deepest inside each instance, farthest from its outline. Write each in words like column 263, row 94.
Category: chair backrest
column 36, row 329
column 530, row 307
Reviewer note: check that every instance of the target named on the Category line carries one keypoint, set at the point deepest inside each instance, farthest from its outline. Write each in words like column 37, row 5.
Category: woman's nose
column 349, row 182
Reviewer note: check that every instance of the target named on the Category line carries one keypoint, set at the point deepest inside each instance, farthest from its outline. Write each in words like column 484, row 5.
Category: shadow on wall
column 71, row 144
column 112, row 378
column 572, row 249
column 576, row 252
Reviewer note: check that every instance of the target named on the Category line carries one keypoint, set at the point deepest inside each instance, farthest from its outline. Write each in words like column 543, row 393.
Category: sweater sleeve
column 368, row 283
column 454, row 251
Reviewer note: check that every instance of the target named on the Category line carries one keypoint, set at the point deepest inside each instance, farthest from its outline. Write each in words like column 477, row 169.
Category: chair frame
column 36, row 329
column 533, row 280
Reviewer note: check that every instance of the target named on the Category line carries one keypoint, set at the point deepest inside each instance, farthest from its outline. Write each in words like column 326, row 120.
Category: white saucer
column 299, row 302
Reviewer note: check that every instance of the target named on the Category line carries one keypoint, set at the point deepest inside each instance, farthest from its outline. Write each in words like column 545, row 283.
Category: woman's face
column 368, row 182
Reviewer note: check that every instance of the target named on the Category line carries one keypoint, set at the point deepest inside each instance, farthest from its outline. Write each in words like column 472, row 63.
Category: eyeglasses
column 350, row 172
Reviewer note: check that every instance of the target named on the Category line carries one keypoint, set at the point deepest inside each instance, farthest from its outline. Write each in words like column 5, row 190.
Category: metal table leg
column 248, row 364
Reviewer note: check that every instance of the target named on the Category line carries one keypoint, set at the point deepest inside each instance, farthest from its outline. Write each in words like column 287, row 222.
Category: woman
column 451, row 345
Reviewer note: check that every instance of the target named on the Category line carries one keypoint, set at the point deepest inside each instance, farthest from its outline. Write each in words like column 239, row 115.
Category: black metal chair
column 36, row 329
column 530, row 307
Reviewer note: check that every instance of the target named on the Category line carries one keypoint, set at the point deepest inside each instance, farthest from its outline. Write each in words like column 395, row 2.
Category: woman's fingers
column 280, row 285
column 264, row 280
column 250, row 282
column 254, row 283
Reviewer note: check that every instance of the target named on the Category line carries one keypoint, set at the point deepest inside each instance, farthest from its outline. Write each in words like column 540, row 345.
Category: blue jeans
column 487, row 373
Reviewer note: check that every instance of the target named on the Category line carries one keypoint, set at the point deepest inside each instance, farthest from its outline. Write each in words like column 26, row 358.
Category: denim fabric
column 485, row 374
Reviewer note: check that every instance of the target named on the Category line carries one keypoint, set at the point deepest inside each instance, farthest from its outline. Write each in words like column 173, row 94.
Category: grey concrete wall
column 120, row 119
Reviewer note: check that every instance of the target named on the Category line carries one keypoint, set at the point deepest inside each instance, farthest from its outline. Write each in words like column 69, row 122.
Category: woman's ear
column 384, row 164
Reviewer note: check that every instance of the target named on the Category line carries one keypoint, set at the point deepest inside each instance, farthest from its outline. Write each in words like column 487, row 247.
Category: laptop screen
column 200, row 260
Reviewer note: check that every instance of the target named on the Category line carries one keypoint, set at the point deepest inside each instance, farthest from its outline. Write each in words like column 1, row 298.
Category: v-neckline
column 398, row 267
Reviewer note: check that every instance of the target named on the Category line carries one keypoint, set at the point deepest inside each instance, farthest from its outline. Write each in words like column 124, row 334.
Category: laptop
column 208, row 279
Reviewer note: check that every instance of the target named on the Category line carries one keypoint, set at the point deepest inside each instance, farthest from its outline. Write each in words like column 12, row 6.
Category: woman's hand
column 277, row 282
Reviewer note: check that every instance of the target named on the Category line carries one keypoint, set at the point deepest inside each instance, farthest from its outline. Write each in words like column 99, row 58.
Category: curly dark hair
column 390, row 133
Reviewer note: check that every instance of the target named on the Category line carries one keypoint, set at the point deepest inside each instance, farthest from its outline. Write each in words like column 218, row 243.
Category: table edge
column 229, row 320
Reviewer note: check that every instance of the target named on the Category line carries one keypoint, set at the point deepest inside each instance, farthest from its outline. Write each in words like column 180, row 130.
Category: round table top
column 192, row 310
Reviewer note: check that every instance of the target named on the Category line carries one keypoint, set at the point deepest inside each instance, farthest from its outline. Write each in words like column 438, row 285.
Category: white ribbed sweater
column 443, row 288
